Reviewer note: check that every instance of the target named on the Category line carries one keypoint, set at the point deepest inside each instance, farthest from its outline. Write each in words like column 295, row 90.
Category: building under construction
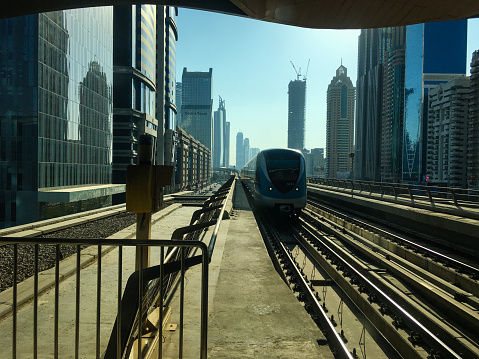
column 296, row 112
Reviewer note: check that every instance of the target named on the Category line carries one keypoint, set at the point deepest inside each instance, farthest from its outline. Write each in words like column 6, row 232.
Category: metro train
column 277, row 179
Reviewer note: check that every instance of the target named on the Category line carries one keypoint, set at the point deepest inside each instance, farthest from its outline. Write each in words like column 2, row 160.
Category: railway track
column 375, row 293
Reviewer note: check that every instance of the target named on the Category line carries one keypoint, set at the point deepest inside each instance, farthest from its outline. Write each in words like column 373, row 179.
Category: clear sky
column 251, row 63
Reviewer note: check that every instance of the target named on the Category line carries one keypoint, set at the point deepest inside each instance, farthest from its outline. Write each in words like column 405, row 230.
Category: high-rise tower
column 55, row 114
column 227, row 144
column 339, row 124
column 197, row 105
column 296, row 113
column 246, row 150
column 240, row 159
column 134, row 81
column 373, row 46
column 435, row 53
column 166, row 109
column 473, row 126
column 392, row 116
column 219, row 135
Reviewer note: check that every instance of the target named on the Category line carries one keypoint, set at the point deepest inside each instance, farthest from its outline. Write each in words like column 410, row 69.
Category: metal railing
column 88, row 306
column 84, row 306
column 413, row 192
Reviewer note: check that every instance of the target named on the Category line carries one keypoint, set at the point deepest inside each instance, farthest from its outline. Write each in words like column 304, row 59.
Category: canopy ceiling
column 333, row 14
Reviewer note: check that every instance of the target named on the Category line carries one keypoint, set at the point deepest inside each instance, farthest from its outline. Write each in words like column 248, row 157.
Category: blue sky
column 251, row 63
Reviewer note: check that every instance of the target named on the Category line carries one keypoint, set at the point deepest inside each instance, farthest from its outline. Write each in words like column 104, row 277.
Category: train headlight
column 271, row 188
column 297, row 189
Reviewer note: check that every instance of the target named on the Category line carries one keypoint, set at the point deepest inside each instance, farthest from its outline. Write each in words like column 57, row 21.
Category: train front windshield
column 283, row 169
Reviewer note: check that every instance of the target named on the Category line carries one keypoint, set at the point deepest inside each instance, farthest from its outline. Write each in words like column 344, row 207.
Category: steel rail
column 336, row 343
column 429, row 252
column 325, row 322
column 431, row 339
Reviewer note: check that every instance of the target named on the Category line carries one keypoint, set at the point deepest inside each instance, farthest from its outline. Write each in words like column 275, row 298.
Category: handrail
column 211, row 245
column 433, row 194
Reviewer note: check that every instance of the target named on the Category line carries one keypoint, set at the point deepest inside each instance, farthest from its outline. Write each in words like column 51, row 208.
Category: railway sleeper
column 387, row 328
column 436, row 266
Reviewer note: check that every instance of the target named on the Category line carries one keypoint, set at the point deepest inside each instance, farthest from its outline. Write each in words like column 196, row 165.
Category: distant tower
column 219, row 135
column 296, row 111
column 246, row 150
column 197, row 105
column 239, row 151
column 339, row 124
column 179, row 94
column 227, row 144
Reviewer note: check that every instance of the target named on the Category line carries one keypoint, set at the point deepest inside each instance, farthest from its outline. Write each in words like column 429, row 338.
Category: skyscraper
column 447, row 133
column 166, row 109
column 339, row 124
column 373, row 44
column 227, row 144
column 393, row 108
column 134, row 81
column 473, row 126
column 246, row 150
column 178, row 97
column 296, row 113
column 219, row 135
column 240, row 159
column 197, row 105
column 55, row 114
column 435, row 53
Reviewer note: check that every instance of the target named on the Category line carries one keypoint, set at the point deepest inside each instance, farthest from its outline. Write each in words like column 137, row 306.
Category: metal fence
column 413, row 192
column 129, row 299
column 84, row 317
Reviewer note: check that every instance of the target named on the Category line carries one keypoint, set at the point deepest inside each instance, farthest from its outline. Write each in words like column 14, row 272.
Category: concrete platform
column 252, row 313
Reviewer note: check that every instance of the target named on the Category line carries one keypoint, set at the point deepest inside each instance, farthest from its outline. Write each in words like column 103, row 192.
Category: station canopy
column 320, row 14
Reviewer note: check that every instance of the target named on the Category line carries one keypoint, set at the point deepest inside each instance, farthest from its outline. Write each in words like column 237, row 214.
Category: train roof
column 281, row 149
column 273, row 150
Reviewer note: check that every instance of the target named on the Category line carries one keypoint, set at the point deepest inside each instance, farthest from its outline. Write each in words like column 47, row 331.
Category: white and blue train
column 277, row 179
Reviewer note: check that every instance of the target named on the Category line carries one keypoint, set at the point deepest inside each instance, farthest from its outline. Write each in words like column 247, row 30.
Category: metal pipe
column 98, row 303
column 118, row 315
column 140, row 302
column 204, row 306
column 15, row 293
column 57, row 290
column 35, row 305
column 77, row 305
column 182, row 299
column 162, row 254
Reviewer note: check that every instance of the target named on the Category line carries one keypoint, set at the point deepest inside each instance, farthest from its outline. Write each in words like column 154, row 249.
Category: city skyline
column 262, row 85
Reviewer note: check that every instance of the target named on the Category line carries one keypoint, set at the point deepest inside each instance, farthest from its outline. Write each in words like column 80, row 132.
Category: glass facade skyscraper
column 55, row 112
column 373, row 46
column 166, row 95
column 197, row 105
column 227, row 144
column 240, row 159
column 435, row 53
column 134, row 60
column 393, row 108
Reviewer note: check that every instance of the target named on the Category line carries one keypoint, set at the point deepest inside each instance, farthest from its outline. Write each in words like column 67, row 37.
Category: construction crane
column 298, row 72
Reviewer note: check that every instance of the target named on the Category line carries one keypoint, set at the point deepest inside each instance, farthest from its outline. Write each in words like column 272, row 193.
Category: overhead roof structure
column 320, row 14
